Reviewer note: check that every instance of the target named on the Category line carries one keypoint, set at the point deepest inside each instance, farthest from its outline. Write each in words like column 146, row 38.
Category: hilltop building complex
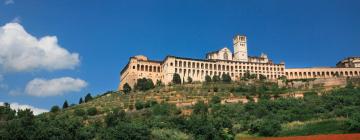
column 223, row 61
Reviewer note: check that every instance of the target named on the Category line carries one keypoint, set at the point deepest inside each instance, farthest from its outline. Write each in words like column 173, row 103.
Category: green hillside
column 213, row 110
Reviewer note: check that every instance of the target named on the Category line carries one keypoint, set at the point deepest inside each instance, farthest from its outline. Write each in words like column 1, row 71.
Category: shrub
column 207, row 79
column 126, row 88
column 92, row 111
column 354, row 123
column 262, row 77
column 159, row 83
column 253, row 76
column 112, row 118
column 144, row 84
column 215, row 100
column 269, row 127
column 176, row 79
column 247, row 75
column 139, row 105
column 226, row 78
column 189, row 80
column 150, row 103
column 88, row 97
column 55, row 109
column 79, row 112
column 215, row 89
column 200, row 108
column 216, row 78
column 126, row 131
column 168, row 134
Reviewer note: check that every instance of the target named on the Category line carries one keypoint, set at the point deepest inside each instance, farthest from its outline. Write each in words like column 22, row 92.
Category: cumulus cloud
column 7, row 2
column 59, row 86
column 20, row 51
column 17, row 106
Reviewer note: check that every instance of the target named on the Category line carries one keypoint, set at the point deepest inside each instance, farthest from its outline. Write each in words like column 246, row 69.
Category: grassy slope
column 330, row 126
column 194, row 92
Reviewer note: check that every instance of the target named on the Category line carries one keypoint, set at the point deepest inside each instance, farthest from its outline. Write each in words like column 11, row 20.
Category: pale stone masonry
column 218, row 63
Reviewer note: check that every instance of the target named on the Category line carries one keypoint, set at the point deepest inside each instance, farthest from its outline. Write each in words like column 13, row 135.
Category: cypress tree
column 65, row 105
column 81, row 101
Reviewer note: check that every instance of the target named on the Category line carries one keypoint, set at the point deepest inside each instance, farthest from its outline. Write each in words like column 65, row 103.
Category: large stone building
column 350, row 62
column 224, row 61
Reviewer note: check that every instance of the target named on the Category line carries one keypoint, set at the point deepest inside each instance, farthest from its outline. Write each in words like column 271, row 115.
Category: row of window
column 225, row 67
column 188, row 63
column 327, row 73
column 202, row 73
column 148, row 68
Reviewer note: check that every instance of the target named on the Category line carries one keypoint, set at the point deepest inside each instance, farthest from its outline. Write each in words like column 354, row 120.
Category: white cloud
column 17, row 106
column 20, row 51
column 53, row 87
column 7, row 2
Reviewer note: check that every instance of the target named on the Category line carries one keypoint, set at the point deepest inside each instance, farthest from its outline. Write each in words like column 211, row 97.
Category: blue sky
column 106, row 33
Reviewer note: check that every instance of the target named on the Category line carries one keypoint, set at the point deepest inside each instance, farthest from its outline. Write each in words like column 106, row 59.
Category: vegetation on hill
column 155, row 113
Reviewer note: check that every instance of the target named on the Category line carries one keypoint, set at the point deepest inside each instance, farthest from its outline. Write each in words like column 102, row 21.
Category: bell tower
column 240, row 48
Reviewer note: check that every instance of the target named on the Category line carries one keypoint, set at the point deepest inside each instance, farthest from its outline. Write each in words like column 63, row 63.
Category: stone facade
column 350, row 62
column 221, row 62
column 140, row 67
column 325, row 72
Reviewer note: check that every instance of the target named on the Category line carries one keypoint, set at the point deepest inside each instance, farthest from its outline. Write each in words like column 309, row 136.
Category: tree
column 127, row 131
column 176, row 79
column 158, row 83
column 126, row 88
column 207, row 79
column 149, row 84
column 262, row 77
column 81, row 100
column 269, row 127
column 88, row 97
column 6, row 113
column 139, row 105
column 189, row 80
column 144, row 84
column 246, row 75
column 200, row 108
column 226, row 78
column 65, row 105
column 253, row 76
column 79, row 112
column 354, row 123
column 215, row 100
column 112, row 118
column 216, row 78
column 55, row 109
column 349, row 84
